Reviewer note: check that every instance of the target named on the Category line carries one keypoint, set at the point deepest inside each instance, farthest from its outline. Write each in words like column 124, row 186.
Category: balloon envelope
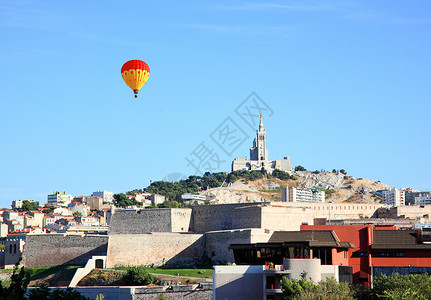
column 135, row 73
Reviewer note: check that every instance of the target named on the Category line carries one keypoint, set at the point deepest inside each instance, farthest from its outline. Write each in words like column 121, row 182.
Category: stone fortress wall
column 158, row 249
column 186, row 235
column 42, row 250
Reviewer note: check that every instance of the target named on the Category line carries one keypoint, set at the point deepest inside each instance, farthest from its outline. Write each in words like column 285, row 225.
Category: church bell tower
column 258, row 151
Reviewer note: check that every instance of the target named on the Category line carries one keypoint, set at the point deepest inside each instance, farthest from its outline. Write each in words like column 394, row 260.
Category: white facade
column 60, row 198
column 393, row 197
column 292, row 194
column 423, row 198
column 107, row 197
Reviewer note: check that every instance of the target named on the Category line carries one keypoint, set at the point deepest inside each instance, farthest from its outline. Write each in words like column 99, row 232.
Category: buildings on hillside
column 259, row 156
column 292, row 194
column 393, row 197
column 107, row 197
column 59, row 198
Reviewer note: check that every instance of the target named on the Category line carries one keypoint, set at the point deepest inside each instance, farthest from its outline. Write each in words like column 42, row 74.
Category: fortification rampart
column 408, row 211
column 222, row 217
column 57, row 249
column 126, row 221
column 158, row 249
column 217, row 242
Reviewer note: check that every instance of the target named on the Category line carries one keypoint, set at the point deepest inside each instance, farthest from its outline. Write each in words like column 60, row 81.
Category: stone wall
column 57, row 249
column 127, row 221
column 217, row 242
column 181, row 219
column 221, row 217
column 157, row 248
column 408, row 211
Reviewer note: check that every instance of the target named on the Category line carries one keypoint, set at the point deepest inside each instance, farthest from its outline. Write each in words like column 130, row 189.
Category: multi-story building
column 106, row 196
column 292, row 194
column 393, row 197
column 59, row 198
column 422, row 198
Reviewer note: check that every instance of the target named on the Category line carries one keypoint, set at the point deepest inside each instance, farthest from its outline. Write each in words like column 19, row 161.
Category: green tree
column 45, row 293
column 138, row 276
column 396, row 286
column 28, row 205
column 300, row 168
column 282, row 175
column 342, row 171
column 18, row 286
column 77, row 214
column 121, row 200
column 303, row 289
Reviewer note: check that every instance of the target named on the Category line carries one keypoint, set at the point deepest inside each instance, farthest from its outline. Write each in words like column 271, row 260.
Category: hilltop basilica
column 259, row 156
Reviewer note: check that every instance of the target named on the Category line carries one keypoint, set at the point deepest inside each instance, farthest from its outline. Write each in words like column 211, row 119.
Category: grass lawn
column 199, row 273
column 37, row 273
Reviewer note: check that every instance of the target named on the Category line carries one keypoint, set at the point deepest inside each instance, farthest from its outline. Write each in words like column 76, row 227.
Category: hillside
column 347, row 188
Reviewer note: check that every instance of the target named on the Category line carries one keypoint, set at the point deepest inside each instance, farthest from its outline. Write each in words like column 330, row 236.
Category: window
column 14, row 248
column 382, row 254
column 359, row 254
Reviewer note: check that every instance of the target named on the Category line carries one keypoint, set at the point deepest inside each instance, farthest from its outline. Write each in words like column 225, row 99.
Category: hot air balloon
column 135, row 73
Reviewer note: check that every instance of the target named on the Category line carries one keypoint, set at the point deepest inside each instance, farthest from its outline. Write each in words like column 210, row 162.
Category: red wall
column 362, row 237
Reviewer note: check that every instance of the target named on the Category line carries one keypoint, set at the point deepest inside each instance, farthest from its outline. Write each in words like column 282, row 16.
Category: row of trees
column 396, row 286
column 301, row 168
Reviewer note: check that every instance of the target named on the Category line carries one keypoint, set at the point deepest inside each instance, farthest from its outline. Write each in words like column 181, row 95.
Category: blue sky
column 341, row 84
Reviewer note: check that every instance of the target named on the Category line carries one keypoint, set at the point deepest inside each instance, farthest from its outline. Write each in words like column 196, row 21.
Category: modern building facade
column 59, row 198
column 292, row 194
column 106, row 196
column 393, row 197
column 259, row 156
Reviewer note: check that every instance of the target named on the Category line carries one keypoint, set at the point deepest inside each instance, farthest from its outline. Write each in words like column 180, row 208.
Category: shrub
column 138, row 276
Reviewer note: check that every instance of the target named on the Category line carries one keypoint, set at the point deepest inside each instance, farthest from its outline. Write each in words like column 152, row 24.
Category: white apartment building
column 292, row 194
column 107, row 197
column 393, row 197
column 422, row 198
column 60, row 198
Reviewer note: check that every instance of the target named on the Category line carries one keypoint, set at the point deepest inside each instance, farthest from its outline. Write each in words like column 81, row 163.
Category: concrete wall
column 285, row 218
column 238, row 282
column 140, row 293
column 161, row 248
column 310, row 266
column 57, row 249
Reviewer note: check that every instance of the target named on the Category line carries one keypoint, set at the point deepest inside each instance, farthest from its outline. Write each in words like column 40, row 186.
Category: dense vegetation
column 138, row 276
column 396, row 286
column 27, row 205
column 17, row 289
column 195, row 184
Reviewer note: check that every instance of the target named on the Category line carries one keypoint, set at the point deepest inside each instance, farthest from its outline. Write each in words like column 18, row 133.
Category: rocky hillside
column 339, row 188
